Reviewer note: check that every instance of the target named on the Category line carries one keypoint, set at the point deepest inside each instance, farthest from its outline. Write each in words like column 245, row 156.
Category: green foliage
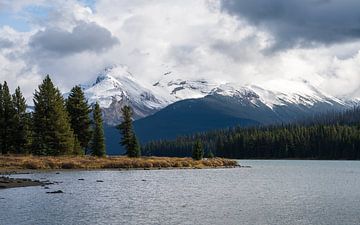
column 22, row 123
column 79, row 111
column 210, row 154
column 135, row 146
column 78, row 150
column 330, row 136
column 14, row 122
column 198, row 151
column 98, row 139
column 48, row 130
column 6, row 120
column 52, row 134
column 2, row 121
column 128, row 137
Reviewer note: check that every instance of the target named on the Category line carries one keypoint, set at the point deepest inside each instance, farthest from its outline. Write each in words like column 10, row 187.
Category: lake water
column 271, row 192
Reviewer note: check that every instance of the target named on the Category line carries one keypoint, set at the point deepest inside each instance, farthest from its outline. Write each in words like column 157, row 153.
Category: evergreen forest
column 332, row 135
column 54, row 126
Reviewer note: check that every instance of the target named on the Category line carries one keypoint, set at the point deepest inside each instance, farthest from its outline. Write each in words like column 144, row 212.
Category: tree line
column 334, row 135
column 57, row 126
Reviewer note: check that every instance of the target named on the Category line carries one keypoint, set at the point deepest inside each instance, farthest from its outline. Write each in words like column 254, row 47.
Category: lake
column 270, row 192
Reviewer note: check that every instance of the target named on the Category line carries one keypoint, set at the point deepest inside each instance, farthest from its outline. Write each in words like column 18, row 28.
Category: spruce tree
column 77, row 150
column 7, row 120
column 135, row 146
column 52, row 134
column 79, row 110
column 1, row 119
column 98, row 139
column 128, row 137
column 198, row 151
column 21, row 131
column 210, row 154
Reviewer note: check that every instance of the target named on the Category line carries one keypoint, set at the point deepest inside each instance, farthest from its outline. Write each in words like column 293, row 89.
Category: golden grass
column 88, row 162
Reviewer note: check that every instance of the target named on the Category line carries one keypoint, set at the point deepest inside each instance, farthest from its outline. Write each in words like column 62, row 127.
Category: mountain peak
column 114, row 73
column 115, row 87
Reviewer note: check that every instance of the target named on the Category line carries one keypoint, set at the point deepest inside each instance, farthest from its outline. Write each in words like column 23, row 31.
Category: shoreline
column 23, row 164
column 11, row 165
column 4, row 172
column 7, row 182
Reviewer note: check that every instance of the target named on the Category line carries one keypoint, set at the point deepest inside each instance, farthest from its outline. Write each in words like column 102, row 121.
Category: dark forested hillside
column 217, row 112
column 327, row 136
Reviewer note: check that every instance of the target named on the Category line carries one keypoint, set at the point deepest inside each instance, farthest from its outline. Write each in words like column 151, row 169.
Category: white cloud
column 192, row 38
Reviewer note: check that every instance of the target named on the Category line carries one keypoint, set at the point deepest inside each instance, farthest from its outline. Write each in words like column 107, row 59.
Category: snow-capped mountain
column 279, row 93
column 176, row 106
column 271, row 93
column 115, row 87
column 178, row 89
column 229, row 105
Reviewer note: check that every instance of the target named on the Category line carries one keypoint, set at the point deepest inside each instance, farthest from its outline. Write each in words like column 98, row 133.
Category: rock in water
column 55, row 192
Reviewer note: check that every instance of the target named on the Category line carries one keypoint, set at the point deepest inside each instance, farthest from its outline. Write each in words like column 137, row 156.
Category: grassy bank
column 8, row 163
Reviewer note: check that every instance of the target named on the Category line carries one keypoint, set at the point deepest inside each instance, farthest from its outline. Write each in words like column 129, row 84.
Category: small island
column 10, row 164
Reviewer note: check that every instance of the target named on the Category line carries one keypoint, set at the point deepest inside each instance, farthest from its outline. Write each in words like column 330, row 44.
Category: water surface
column 271, row 192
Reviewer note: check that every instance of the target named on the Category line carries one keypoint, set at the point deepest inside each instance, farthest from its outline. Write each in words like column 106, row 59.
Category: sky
column 241, row 41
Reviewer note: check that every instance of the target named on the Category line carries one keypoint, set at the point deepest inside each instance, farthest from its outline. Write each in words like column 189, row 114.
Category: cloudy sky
column 242, row 41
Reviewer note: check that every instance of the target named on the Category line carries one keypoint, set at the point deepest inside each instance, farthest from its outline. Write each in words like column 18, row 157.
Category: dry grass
column 87, row 162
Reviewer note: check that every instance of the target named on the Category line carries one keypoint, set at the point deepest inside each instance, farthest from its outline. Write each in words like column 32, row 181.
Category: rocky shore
column 6, row 182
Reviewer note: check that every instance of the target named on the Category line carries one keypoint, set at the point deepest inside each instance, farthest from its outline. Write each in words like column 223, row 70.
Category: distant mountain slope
column 183, row 117
column 189, row 116
column 218, row 111
column 213, row 112
column 173, row 106
column 115, row 87
column 326, row 136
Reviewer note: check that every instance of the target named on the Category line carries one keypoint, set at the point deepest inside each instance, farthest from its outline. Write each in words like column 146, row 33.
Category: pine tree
column 128, row 139
column 7, row 120
column 98, row 139
column 21, row 130
column 198, row 151
column 52, row 134
column 79, row 111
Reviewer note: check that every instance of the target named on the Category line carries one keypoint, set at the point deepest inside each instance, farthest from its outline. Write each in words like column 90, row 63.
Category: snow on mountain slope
column 178, row 89
column 271, row 93
column 278, row 93
column 116, row 87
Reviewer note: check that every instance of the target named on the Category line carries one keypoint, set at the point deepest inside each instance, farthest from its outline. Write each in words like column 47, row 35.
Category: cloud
column 84, row 37
column 5, row 43
column 216, row 40
column 304, row 23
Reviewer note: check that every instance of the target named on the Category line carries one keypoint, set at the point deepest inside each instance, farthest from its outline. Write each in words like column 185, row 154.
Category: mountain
column 115, row 87
column 173, row 106
column 226, row 107
column 176, row 89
